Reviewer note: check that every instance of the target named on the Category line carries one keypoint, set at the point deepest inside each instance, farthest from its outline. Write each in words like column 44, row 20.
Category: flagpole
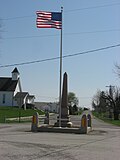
column 60, row 89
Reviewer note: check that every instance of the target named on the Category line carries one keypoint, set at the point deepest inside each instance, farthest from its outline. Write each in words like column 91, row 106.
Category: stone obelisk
column 65, row 118
column 64, row 101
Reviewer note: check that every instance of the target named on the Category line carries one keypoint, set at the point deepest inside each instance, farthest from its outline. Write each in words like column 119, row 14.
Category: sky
column 87, row 25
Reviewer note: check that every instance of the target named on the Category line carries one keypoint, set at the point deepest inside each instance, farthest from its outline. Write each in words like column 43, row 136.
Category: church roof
column 7, row 84
column 21, row 94
column 15, row 70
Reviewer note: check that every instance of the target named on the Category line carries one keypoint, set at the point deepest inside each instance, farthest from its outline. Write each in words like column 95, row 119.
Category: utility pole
column 111, row 103
column 111, row 90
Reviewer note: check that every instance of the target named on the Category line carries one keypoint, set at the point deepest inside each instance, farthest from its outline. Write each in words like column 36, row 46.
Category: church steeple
column 15, row 74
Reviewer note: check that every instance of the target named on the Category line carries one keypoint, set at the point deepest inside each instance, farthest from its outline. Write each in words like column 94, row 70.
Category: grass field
column 114, row 122
column 14, row 112
column 111, row 121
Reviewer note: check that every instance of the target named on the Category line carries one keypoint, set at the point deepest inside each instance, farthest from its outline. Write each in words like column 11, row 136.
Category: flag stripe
column 49, row 19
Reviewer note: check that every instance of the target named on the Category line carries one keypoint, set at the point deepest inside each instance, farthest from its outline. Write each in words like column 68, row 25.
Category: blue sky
column 87, row 25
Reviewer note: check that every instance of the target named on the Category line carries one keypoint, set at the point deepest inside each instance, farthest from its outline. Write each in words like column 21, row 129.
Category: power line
column 85, row 97
column 41, row 96
column 55, row 58
column 24, row 37
column 66, row 34
column 96, row 31
column 94, row 7
column 20, row 17
column 90, row 51
column 74, row 10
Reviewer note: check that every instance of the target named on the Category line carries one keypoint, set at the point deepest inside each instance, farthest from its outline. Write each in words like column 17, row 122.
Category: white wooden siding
column 8, row 98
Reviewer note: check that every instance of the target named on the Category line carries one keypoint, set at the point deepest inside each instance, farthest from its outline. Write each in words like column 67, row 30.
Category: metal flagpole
column 60, row 74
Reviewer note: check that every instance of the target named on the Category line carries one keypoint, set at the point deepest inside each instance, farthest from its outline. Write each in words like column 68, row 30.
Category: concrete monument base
column 66, row 126
column 65, row 122
column 76, row 130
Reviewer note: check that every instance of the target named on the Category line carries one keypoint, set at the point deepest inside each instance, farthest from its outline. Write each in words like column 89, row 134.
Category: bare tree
column 113, row 97
column 117, row 69
column 99, row 103
column 108, row 101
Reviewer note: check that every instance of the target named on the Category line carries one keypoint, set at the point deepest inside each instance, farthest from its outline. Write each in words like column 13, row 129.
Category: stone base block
column 65, row 122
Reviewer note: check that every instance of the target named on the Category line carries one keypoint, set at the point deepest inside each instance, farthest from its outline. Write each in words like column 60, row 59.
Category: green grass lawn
column 114, row 122
column 102, row 117
column 14, row 112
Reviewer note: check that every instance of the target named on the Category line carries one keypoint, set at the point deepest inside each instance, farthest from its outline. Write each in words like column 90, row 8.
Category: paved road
column 18, row 143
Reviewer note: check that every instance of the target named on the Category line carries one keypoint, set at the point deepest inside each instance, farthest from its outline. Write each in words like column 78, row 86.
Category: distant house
column 47, row 106
column 24, row 100
column 11, row 91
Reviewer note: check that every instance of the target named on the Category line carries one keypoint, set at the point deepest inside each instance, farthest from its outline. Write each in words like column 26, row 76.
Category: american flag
column 49, row 19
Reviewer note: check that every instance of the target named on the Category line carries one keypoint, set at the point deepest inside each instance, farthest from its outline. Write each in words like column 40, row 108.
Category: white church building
column 11, row 92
